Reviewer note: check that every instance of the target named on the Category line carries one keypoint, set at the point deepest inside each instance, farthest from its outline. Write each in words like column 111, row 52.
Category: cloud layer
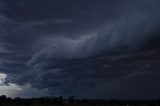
column 86, row 48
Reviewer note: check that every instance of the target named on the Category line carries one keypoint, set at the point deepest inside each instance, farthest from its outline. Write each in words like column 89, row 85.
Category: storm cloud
column 86, row 48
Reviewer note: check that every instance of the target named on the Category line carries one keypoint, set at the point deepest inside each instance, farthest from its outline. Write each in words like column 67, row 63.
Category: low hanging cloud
column 73, row 49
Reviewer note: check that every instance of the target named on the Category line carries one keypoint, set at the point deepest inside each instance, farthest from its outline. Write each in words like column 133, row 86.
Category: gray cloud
column 82, row 48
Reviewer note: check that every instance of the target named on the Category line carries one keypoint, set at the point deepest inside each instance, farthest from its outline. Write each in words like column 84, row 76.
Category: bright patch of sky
column 2, row 78
column 8, row 90
column 14, row 90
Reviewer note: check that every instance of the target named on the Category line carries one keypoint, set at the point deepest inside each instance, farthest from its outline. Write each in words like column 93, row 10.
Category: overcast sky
column 86, row 48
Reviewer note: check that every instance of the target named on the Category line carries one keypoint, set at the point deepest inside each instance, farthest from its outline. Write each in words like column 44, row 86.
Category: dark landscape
column 72, row 101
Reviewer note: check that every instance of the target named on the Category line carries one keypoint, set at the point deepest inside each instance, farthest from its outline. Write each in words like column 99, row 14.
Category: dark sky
column 86, row 48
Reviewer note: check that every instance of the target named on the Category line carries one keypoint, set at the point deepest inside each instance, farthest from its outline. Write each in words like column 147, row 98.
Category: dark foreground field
column 80, row 104
column 71, row 101
column 130, row 103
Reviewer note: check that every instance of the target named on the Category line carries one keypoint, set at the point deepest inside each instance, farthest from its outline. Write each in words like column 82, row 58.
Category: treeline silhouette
column 72, row 100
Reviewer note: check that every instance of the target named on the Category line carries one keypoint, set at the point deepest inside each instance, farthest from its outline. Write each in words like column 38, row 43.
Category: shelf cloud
column 86, row 48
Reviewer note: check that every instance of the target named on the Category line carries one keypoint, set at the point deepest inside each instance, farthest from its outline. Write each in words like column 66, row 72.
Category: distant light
column 10, row 89
column 2, row 78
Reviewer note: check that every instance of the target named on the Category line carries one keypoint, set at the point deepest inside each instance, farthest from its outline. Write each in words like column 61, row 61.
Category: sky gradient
column 86, row 48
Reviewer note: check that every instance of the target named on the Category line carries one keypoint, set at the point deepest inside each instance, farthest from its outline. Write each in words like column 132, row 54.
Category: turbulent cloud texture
column 86, row 48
